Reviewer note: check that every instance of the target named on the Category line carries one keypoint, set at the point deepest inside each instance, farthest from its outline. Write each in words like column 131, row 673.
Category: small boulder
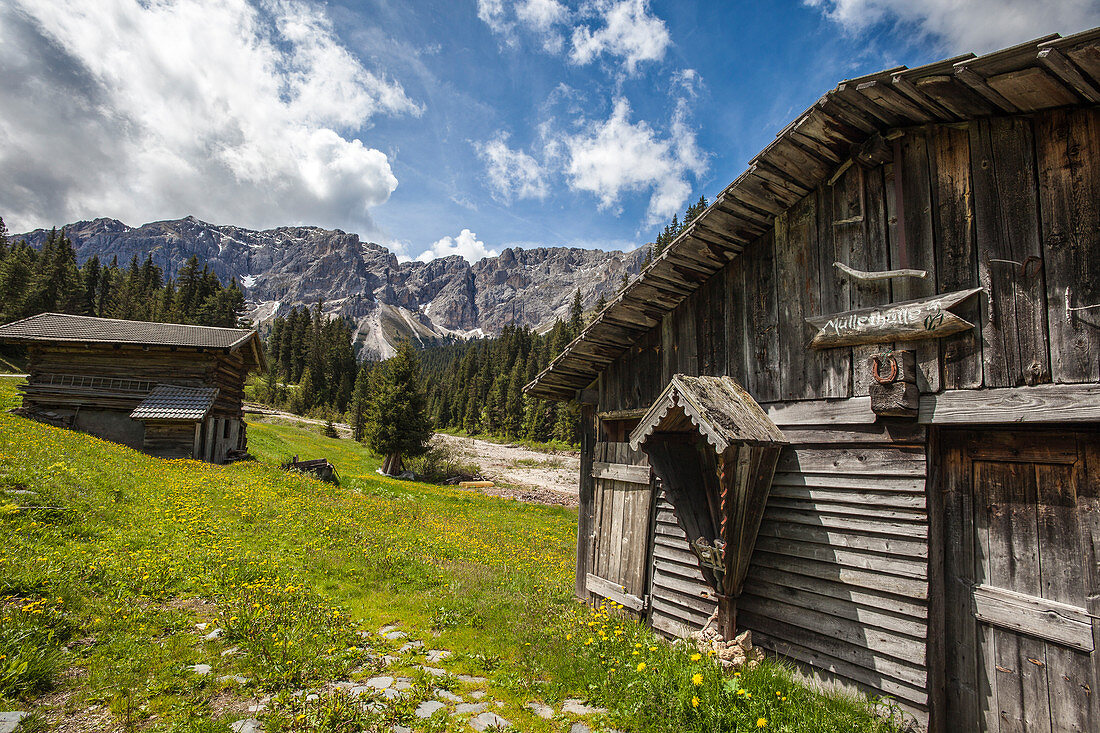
column 543, row 711
column 470, row 707
column 200, row 668
column 428, row 708
column 247, row 725
column 489, row 720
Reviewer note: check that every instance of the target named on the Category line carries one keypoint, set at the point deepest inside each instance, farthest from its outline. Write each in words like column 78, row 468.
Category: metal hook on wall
column 1022, row 265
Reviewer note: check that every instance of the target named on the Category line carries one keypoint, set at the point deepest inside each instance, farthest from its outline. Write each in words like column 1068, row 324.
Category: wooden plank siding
column 840, row 579
column 972, row 194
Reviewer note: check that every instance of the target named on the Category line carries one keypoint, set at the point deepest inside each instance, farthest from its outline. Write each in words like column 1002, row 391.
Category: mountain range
column 386, row 299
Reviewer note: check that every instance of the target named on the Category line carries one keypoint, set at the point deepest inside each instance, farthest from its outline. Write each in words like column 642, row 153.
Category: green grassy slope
column 108, row 565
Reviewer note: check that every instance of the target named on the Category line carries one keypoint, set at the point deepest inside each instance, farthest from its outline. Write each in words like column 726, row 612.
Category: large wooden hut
column 168, row 389
column 903, row 285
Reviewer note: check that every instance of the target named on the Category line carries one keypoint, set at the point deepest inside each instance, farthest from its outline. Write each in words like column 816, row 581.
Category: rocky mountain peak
column 387, row 299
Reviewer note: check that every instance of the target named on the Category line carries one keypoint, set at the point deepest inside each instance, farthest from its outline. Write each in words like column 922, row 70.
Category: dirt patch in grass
column 521, row 473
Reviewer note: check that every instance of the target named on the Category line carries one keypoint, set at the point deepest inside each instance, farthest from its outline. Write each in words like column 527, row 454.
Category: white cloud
column 466, row 244
column 142, row 110
column 513, row 174
column 538, row 17
column 629, row 32
column 971, row 25
column 616, row 156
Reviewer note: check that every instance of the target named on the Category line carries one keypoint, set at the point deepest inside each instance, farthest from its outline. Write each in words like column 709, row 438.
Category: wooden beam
column 1048, row 403
column 852, row 411
column 1062, row 68
column 1034, row 616
column 626, row 472
column 614, row 592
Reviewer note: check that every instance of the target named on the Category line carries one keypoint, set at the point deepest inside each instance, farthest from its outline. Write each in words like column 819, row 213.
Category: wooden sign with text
column 911, row 320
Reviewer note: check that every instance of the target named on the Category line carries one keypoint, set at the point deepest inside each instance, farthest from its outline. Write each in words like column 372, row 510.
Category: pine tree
column 576, row 314
column 307, row 393
column 397, row 420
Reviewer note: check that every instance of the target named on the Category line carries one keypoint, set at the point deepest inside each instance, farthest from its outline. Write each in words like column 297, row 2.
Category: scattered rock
column 578, row 707
column 448, row 696
column 543, row 711
column 409, row 646
column 732, row 653
column 435, row 656
column 379, row 683
column 216, row 633
column 489, row 720
column 200, row 668
column 477, row 694
column 248, row 725
column 231, row 651
column 364, row 634
column 470, row 707
column 434, row 671
column 394, row 635
column 473, row 679
column 402, row 684
column 9, row 721
column 387, row 628
column 579, row 728
column 259, row 707
column 428, row 708
column 233, row 678
column 202, row 626
column 387, row 660
column 392, row 693
column 402, row 729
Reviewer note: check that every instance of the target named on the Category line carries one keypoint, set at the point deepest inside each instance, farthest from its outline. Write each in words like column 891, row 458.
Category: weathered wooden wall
column 840, row 576
column 129, row 367
column 953, row 201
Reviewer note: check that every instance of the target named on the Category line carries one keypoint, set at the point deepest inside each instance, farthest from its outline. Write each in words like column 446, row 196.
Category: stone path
column 468, row 703
column 8, row 721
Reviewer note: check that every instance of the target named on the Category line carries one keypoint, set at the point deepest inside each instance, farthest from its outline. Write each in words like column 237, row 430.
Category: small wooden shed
column 901, row 294
column 171, row 390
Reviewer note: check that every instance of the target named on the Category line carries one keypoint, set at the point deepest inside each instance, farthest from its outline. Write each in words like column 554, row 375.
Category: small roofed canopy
column 169, row 402
column 717, row 407
column 714, row 450
column 67, row 328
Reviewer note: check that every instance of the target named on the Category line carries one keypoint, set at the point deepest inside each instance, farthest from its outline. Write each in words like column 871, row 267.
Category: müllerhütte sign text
column 911, row 320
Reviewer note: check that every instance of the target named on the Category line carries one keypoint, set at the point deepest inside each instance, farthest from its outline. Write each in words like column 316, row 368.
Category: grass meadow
column 107, row 567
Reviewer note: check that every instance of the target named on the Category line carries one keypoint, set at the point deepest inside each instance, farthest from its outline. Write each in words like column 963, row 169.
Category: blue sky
column 437, row 127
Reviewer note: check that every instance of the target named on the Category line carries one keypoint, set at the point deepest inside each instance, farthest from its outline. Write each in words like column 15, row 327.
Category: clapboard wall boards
column 957, row 201
column 839, row 577
column 680, row 600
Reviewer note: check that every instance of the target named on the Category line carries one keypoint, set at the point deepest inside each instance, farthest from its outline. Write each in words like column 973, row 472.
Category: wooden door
column 1020, row 561
column 623, row 506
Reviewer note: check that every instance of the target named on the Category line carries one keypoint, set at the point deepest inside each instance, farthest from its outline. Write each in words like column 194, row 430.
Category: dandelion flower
column 695, row 701
column 761, row 722
column 641, row 666
column 697, row 679
column 696, row 657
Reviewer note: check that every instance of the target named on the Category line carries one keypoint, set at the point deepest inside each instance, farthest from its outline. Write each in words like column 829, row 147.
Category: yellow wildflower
column 641, row 666
column 695, row 702
column 696, row 657
column 761, row 722
column 697, row 679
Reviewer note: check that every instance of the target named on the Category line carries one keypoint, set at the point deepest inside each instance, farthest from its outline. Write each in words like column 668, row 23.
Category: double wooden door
column 1022, row 541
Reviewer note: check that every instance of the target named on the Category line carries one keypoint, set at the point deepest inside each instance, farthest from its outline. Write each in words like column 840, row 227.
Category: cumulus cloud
column 466, row 244
column 513, row 174
column 628, row 32
column 616, row 156
column 540, row 18
column 973, row 25
column 218, row 108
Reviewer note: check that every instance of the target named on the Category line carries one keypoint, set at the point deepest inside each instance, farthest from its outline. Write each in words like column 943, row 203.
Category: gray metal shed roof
column 168, row 402
column 86, row 329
